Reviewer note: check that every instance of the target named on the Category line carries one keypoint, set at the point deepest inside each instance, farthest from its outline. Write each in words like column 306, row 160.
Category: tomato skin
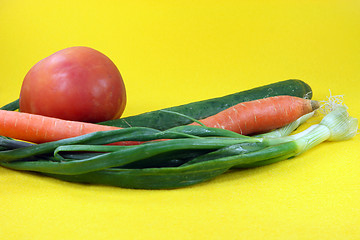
column 76, row 83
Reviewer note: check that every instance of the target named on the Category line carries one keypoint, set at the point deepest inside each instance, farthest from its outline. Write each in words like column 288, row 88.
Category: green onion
column 287, row 129
column 192, row 154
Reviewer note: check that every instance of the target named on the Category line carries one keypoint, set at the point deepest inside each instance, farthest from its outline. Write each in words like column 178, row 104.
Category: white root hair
column 332, row 102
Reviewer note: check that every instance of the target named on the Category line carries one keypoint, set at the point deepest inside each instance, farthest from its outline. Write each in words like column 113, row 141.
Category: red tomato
column 76, row 83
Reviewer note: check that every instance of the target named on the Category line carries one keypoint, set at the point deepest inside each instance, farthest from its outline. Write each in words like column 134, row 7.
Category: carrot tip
column 314, row 104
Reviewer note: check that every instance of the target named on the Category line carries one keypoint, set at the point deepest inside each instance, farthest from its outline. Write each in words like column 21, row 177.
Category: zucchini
column 13, row 106
column 162, row 120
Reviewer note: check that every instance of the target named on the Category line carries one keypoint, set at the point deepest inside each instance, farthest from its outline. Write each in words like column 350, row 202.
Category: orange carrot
column 38, row 129
column 245, row 118
column 261, row 115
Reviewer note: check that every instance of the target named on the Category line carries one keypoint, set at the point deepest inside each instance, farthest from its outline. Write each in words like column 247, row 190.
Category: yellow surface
column 174, row 52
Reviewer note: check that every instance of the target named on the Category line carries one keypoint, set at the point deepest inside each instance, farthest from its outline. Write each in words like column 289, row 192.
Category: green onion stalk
column 189, row 155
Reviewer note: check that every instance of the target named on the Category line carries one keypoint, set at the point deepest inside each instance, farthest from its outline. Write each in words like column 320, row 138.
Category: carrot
column 38, row 129
column 261, row 115
column 245, row 118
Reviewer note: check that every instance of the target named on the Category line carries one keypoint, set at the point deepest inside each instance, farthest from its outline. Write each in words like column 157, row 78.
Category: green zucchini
column 13, row 106
column 198, row 110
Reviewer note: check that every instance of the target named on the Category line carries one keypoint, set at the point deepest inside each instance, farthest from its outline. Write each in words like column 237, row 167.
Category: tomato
column 76, row 83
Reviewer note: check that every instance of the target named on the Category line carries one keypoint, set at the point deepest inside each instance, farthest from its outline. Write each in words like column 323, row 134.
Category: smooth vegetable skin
column 76, row 83
column 261, row 115
column 13, row 106
column 199, row 110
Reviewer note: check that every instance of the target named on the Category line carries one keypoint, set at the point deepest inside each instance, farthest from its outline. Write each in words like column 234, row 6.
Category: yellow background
column 174, row 52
